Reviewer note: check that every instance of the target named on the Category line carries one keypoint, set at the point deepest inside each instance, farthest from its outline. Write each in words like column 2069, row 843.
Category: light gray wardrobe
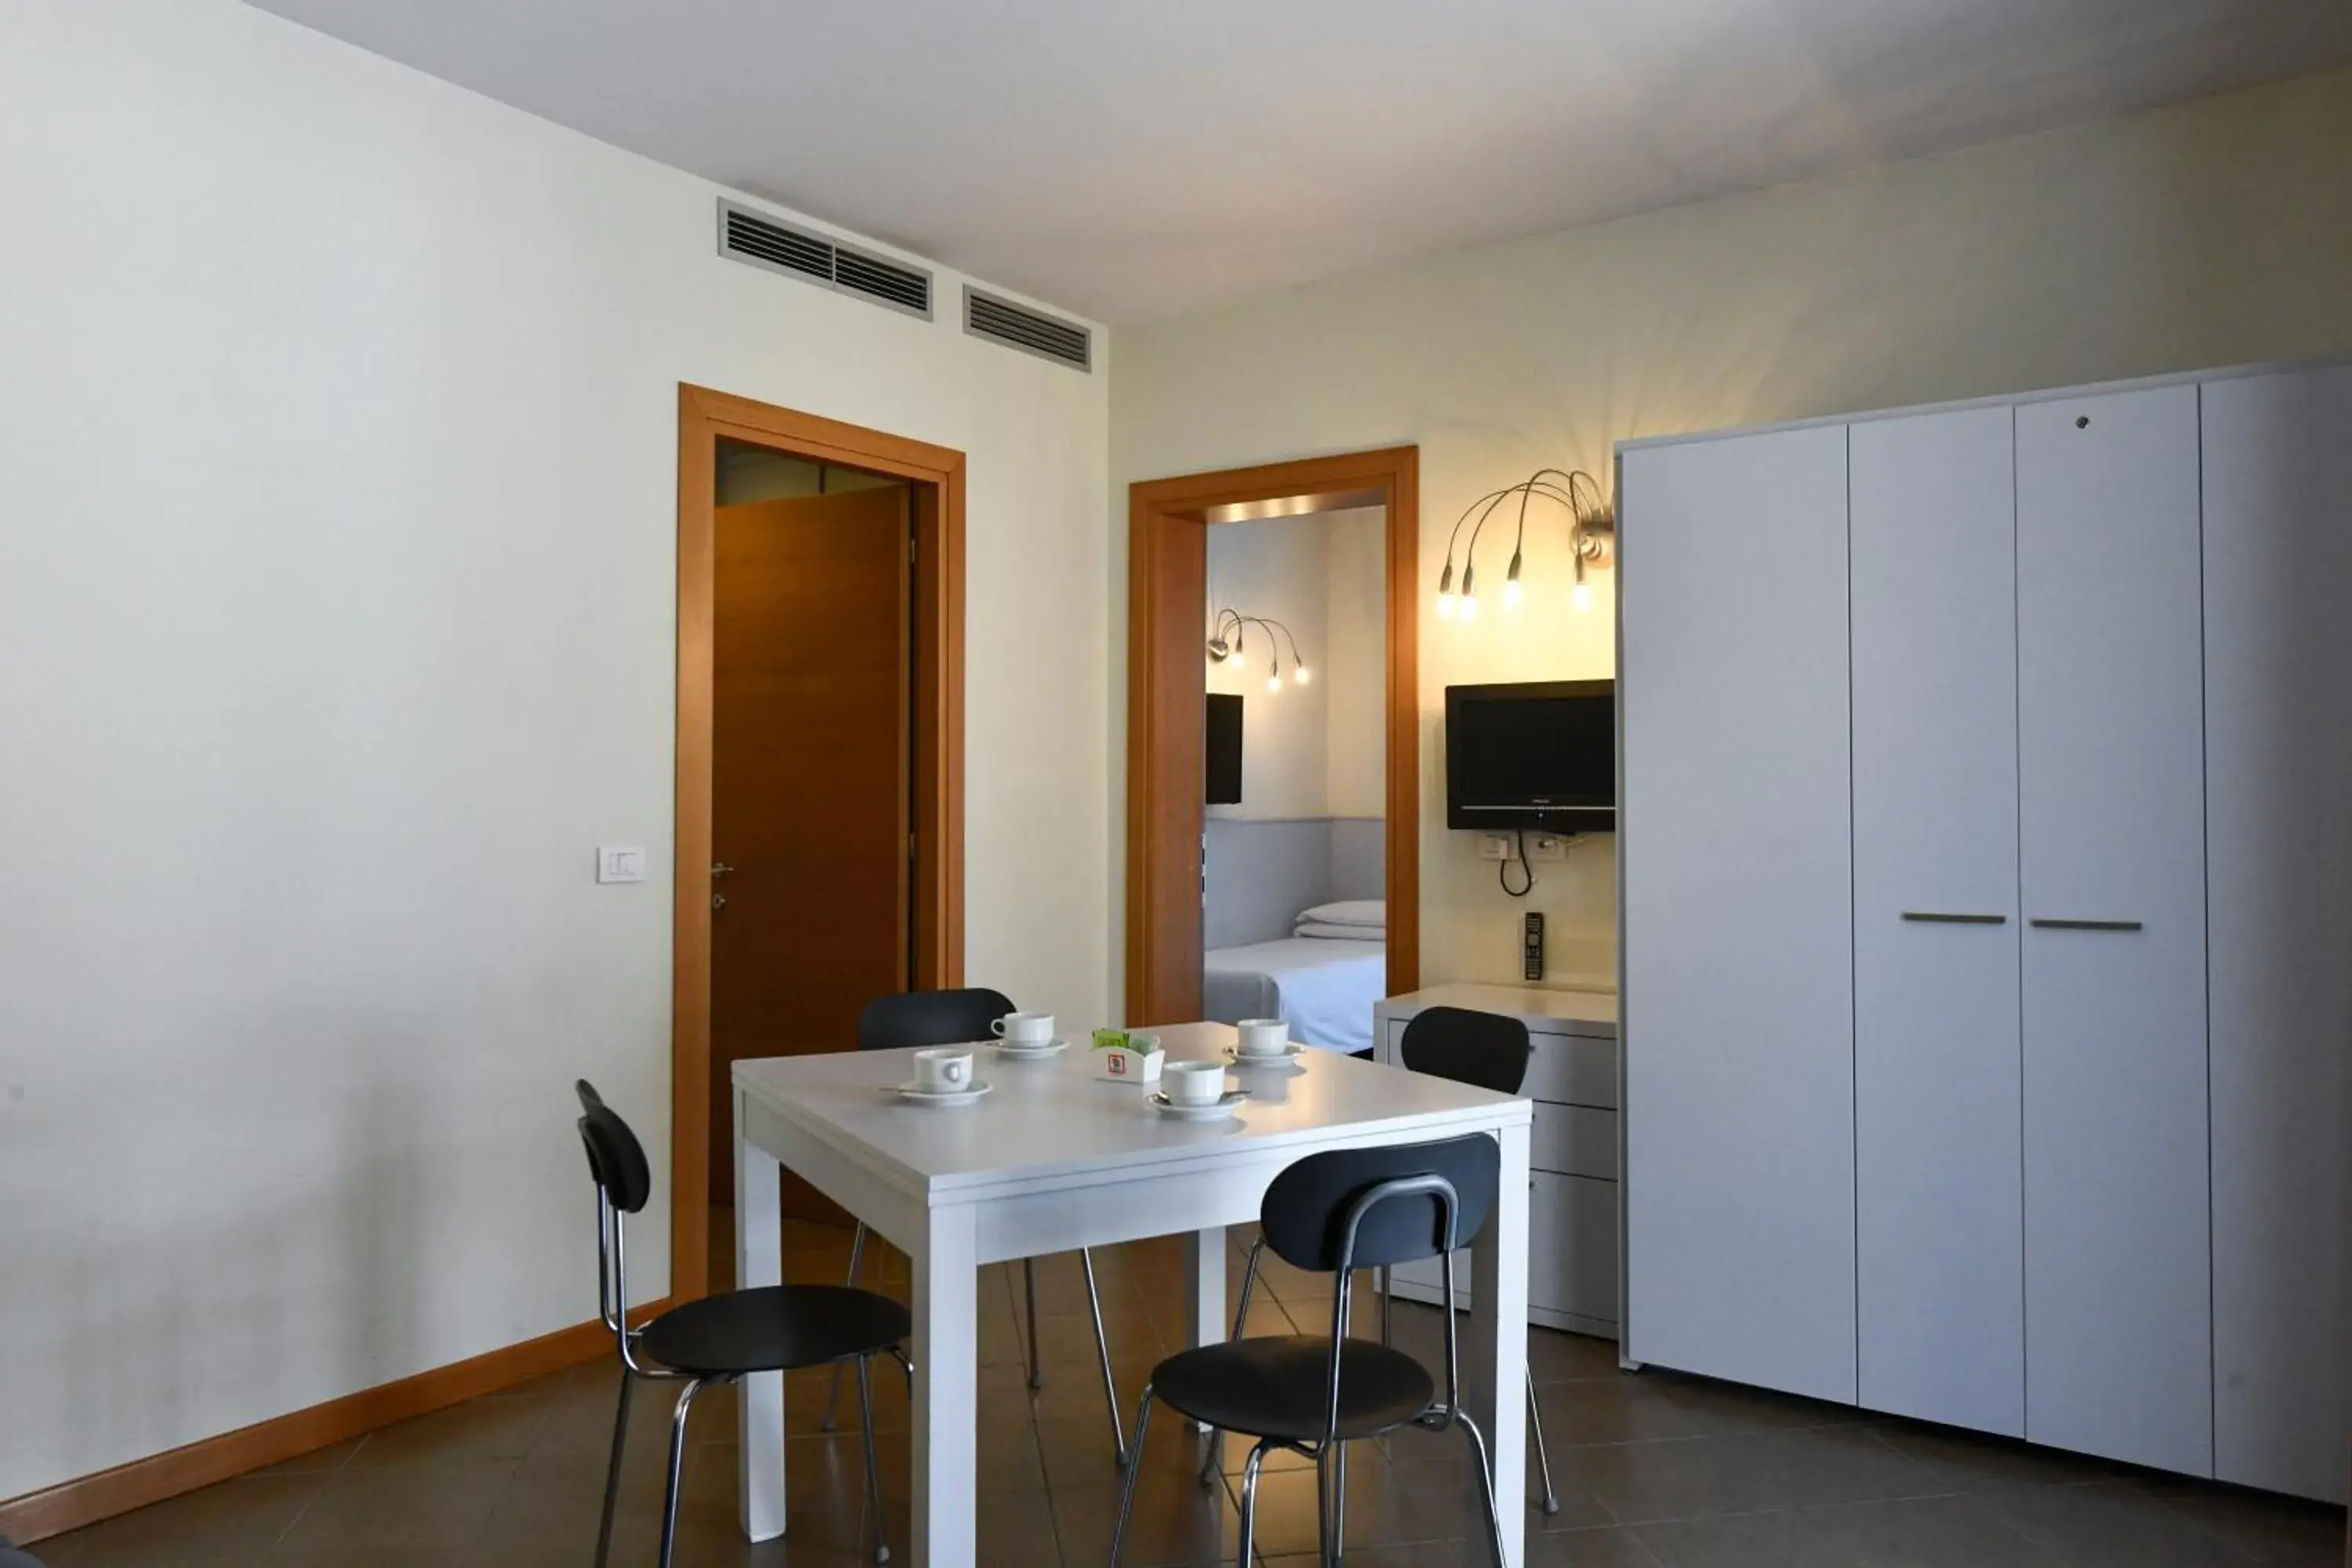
column 1986, row 837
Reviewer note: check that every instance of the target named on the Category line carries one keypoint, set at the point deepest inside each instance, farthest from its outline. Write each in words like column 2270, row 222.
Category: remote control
column 1531, row 946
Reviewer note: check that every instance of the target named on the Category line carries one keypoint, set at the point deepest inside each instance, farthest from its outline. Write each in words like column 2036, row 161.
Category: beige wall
column 2212, row 233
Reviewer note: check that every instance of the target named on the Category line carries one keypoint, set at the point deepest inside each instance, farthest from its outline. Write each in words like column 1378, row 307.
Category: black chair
column 915, row 1018
column 1335, row 1213
column 719, row 1339
column 1484, row 1050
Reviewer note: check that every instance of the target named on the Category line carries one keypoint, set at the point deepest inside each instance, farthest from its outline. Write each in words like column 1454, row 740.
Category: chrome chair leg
column 873, row 1471
column 613, row 1470
column 1339, row 1501
column 1119, row 1455
column 1249, row 1499
column 1486, row 1482
column 1029, row 1279
column 1215, row 1455
column 907, row 1362
column 832, row 1401
column 1127, row 1488
column 1543, row 1450
column 677, row 1463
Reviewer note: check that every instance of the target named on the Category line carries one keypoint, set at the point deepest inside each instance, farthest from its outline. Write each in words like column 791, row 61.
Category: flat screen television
column 1223, row 750
column 1538, row 755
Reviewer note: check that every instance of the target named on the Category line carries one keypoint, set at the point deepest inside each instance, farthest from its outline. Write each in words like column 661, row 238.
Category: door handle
column 1937, row 918
column 2041, row 924
column 721, row 868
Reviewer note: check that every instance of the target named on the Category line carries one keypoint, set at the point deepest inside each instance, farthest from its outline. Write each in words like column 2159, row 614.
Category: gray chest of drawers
column 1572, row 1230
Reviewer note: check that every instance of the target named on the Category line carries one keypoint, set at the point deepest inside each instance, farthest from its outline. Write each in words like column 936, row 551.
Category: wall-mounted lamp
column 1226, row 645
column 1592, row 539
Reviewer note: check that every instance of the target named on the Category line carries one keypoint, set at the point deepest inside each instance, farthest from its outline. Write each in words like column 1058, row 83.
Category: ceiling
column 1135, row 160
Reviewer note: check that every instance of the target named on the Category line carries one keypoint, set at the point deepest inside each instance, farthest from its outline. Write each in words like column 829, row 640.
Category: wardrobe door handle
column 1937, row 918
column 2087, row 925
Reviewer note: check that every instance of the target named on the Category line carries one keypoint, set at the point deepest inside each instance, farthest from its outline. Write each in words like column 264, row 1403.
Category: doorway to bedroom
column 1272, row 834
column 1294, row 837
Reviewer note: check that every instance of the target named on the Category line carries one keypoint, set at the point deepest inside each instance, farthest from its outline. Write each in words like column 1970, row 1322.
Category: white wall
column 1355, row 672
column 2211, row 234
column 1318, row 749
column 1275, row 568
column 337, row 506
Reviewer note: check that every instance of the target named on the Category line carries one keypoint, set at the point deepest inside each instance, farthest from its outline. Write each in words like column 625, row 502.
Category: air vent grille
column 757, row 239
column 886, row 280
column 1032, row 331
column 761, row 241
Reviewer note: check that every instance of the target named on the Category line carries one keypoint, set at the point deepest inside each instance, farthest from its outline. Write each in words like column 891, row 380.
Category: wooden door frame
column 937, row 480
column 1168, row 523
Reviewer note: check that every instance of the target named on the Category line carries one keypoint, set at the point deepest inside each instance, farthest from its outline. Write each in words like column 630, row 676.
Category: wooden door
column 2278, row 777
column 1940, row 1255
column 1735, row 836
column 2119, row 1275
column 810, row 780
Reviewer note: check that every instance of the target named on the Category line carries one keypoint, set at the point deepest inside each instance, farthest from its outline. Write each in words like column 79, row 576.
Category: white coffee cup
column 1193, row 1083
column 1024, row 1029
column 943, row 1070
column 1261, row 1036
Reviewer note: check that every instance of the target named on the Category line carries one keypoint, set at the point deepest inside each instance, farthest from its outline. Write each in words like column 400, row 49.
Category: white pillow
column 1344, row 933
column 1372, row 912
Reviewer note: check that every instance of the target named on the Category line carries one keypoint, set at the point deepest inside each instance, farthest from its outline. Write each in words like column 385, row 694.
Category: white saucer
column 914, row 1094
column 1286, row 1058
column 1019, row 1049
column 1215, row 1111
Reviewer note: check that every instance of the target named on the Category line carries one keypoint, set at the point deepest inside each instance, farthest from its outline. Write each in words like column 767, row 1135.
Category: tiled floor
column 1655, row 1471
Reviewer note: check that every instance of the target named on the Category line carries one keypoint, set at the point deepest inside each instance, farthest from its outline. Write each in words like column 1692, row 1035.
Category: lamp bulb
column 1469, row 607
column 1273, row 683
column 1445, row 605
column 1302, row 674
column 1510, row 593
column 1580, row 597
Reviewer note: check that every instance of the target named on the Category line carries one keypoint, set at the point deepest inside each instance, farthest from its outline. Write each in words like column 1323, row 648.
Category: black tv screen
column 1539, row 755
column 1224, row 749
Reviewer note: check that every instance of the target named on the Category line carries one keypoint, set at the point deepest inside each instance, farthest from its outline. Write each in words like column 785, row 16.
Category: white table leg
column 759, row 1402
column 1494, row 1354
column 947, row 1390
column 1205, row 1292
column 1204, row 1287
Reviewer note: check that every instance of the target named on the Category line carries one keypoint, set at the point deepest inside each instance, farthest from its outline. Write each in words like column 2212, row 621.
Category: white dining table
column 1055, row 1158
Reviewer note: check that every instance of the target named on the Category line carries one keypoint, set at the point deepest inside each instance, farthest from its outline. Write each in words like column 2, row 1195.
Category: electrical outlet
column 1548, row 847
column 1495, row 846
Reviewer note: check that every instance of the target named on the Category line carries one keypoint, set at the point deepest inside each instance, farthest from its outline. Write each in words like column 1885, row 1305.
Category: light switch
column 621, row 865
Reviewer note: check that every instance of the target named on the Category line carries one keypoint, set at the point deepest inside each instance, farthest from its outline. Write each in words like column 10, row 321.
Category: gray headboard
column 1259, row 873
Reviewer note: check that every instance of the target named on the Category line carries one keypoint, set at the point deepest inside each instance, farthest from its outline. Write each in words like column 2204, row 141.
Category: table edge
column 989, row 1185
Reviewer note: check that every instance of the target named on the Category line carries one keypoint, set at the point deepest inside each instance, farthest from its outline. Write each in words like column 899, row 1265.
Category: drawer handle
column 1937, row 918
column 2087, row 925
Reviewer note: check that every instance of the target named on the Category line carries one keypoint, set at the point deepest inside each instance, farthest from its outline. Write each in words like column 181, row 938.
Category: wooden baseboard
column 70, row 1505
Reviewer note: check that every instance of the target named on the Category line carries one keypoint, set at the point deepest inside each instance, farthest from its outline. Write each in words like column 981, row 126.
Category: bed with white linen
column 1322, row 983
